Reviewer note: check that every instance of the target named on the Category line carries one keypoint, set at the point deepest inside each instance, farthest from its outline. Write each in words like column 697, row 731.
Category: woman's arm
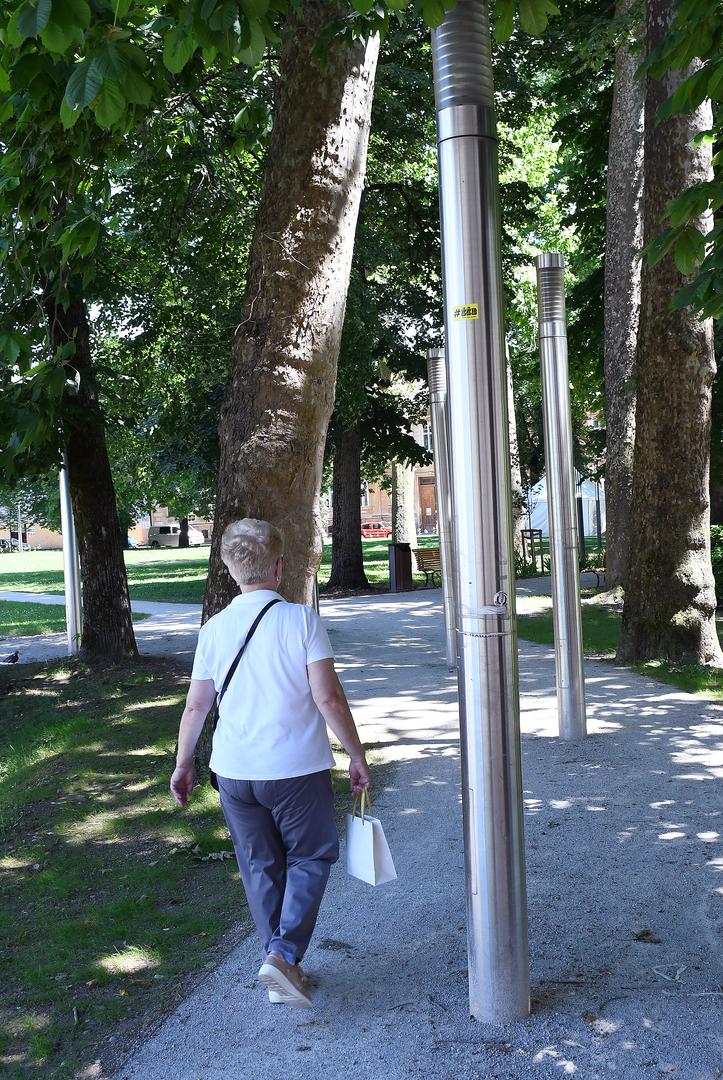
column 198, row 703
column 330, row 699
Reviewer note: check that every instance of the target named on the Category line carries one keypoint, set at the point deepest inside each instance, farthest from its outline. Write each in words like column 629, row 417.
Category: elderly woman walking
column 271, row 750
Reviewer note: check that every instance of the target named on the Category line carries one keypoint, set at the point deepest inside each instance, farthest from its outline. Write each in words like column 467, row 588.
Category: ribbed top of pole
column 551, row 287
column 436, row 372
column 462, row 57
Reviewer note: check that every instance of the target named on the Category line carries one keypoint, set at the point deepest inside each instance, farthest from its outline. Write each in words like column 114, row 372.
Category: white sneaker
column 285, row 982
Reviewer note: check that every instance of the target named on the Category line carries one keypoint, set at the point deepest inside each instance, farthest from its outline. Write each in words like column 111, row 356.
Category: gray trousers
column 285, row 838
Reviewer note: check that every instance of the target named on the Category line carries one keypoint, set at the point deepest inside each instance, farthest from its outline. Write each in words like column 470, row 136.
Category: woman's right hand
column 182, row 783
column 359, row 775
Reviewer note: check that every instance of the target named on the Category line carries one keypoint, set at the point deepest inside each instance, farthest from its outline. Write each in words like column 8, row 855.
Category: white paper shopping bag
column 367, row 852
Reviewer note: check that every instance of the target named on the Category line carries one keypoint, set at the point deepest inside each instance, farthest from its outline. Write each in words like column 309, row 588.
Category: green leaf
column 80, row 238
column 432, row 12
column 257, row 8
column 257, row 47
column 68, row 114
column 136, row 89
column 689, row 250
column 504, row 19
column 178, row 48
column 33, row 18
column 691, row 204
column 80, row 11
column 534, row 15
column 4, row 80
column 363, row 6
column 224, row 16
column 659, row 247
column 110, row 104
column 84, row 84
column 57, row 38
column 9, row 346
column 112, row 62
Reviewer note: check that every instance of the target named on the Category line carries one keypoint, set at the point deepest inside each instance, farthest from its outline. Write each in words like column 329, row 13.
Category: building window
column 365, row 495
column 427, row 436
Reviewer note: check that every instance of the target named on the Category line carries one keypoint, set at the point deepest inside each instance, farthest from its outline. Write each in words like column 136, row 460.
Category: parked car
column 375, row 529
column 12, row 545
column 167, row 536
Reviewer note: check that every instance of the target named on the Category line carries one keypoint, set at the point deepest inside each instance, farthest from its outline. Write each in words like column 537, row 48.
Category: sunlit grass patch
column 173, row 576
column 26, row 619
column 103, row 905
column 601, row 634
column 696, row 680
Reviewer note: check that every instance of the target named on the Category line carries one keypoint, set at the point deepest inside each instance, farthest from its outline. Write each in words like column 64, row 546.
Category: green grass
column 600, row 629
column 601, row 634
column 167, row 575
column 21, row 619
column 105, row 910
column 171, row 576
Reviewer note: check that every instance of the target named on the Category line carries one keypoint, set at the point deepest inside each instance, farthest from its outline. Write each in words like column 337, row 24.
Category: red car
column 374, row 529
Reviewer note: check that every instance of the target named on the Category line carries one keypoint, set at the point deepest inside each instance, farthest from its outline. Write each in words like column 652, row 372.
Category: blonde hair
column 250, row 549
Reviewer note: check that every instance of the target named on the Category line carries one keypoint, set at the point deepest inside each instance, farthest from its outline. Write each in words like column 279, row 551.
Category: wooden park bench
column 428, row 563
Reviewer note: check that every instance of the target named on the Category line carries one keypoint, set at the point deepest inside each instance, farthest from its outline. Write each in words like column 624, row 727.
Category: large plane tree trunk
column 347, row 557
column 623, row 241
column 107, row 624
column 280, row 391
column 669, row 609
column 404, row 523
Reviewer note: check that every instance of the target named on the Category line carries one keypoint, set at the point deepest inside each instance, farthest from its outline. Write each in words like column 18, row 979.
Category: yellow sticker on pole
column 465, row 311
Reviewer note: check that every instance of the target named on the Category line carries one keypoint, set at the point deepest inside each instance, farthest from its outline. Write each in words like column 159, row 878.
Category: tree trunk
column 404, row 524
column 669, row 610
column 107, row 624
column 623, row 241
column 280, row 391
column 347, row 558
column 518, row 493
column 183, row 533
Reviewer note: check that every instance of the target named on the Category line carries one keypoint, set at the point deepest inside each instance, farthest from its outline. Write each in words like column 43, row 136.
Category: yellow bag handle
column 366, row 803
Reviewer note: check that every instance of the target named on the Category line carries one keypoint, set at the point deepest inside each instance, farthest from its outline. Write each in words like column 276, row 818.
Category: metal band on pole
column 567, row 618
column 482, row 517
column 71, row 573
column 437, row 380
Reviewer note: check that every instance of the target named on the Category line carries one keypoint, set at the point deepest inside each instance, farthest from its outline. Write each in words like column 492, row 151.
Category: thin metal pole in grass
column 567, row 616
column 71, row 569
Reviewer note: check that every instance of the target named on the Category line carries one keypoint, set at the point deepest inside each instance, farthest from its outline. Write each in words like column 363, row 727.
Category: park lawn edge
column 21, row 618
column 89, row 831
column 599, row 645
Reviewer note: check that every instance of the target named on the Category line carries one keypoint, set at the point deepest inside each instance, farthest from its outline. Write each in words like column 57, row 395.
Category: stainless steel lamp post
column 71, row 573
column 566, row 614
column 482, row 517
column 437, row 380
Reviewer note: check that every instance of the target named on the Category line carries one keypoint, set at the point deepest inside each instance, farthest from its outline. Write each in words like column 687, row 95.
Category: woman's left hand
column 182, row 783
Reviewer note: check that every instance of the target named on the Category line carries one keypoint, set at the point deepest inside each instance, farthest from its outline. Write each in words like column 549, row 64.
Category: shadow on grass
column 104, row 905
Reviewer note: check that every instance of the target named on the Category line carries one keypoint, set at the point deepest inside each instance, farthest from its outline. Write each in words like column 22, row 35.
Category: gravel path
column 623, row 839
column 625, row 888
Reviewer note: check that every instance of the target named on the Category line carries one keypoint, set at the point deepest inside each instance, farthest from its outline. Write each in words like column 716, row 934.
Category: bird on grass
column 13, row 658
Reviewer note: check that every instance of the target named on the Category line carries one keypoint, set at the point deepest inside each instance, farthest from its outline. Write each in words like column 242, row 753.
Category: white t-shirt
column 269, row 727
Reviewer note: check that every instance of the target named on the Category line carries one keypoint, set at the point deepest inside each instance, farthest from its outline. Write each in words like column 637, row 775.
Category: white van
column 167, row 536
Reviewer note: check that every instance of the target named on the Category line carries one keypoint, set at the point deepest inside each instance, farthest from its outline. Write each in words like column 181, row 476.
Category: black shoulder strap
column 241, row 651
